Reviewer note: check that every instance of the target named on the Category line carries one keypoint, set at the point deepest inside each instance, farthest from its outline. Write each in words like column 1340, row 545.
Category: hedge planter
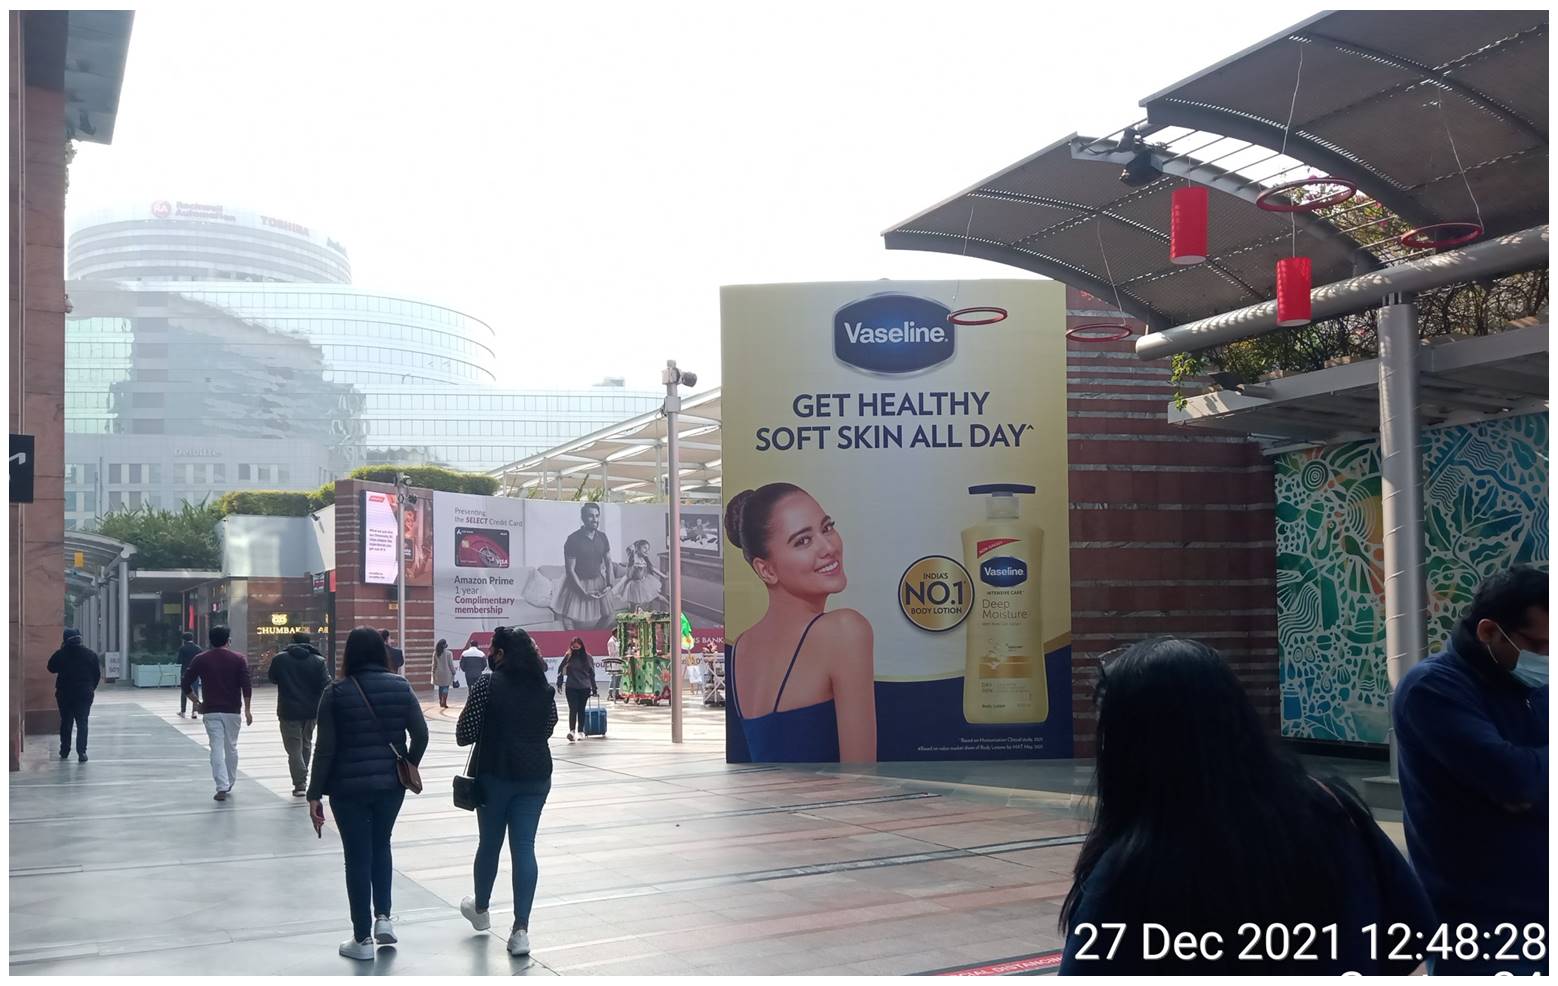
column 154, row 675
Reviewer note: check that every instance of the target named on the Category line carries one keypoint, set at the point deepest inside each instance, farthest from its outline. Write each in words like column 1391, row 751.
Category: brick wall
column 1172, row 530
column 359, row 604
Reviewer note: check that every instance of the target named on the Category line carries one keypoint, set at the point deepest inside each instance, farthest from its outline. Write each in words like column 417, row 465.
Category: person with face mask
column 1471, row 741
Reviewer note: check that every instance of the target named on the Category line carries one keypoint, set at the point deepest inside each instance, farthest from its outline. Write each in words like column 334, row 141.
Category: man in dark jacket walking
column 397, row 657
column 1471, row 738
column 187, row 652
column 76, row 674
column 300, row 677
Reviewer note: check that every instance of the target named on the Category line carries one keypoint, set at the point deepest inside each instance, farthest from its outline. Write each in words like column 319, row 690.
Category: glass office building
column 211, row 349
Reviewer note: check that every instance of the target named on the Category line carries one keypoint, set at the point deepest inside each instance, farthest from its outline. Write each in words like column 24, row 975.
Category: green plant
column 266, row 503
column 436, row 478
column 166, row 539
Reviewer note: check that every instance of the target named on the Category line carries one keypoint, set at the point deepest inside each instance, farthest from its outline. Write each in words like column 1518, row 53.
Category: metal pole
column 401, row 482
column 124, row 612
column 605, row 481
column 1401, row 488
column 1525, row 250
column 673, row 404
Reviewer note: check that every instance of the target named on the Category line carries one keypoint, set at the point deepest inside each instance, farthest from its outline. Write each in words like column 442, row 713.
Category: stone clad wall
column 36, row 575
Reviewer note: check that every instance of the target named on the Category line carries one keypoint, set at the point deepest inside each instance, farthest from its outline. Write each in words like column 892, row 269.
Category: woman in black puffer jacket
column 509, row 715
column 354, row 765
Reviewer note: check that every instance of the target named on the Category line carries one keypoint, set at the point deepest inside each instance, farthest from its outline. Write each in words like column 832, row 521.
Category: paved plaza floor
column 654, row 859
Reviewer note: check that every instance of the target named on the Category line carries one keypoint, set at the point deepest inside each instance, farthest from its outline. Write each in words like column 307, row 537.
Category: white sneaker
column 480, row 920
column 519, row 942
column 360, row 950
column 384, row 930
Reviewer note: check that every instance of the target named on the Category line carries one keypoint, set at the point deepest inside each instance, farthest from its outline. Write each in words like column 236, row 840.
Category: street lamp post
column 402, row 487
column 673, row 378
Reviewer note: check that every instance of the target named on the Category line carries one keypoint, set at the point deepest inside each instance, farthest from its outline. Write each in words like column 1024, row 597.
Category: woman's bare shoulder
column 846, row 625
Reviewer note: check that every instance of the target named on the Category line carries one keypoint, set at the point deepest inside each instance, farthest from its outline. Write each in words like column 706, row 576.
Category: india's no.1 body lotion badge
column 1004, row 681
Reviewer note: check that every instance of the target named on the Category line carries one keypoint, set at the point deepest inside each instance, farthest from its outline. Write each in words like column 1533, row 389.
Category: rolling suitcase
column 595, row 719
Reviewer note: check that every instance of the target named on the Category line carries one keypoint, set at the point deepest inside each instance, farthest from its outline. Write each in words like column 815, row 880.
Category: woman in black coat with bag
column 365, row 721
column 510, row 714
column 576, row 677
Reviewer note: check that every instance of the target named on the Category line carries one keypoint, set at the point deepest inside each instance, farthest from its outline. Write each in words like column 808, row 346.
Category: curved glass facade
column 182, row 241
column 213, row 349
column 366, row 338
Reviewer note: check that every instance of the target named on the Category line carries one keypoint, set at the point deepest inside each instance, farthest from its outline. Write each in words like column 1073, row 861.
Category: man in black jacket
column 187, row 652
column 397, row 657
column 77, row 673
column 300, row 677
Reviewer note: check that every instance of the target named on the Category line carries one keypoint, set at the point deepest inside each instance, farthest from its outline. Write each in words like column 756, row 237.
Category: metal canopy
column 97, row 42
column 97, row 553
column 1048, row 212
column 1461, row 380
column 1382, row 94
column 629, row 457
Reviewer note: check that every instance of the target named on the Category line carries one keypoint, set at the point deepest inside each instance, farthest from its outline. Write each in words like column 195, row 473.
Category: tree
column 166, row 539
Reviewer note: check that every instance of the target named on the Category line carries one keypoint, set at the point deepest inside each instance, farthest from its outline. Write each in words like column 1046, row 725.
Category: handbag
column 468, row 794
column 467, row 789
column 405, row 771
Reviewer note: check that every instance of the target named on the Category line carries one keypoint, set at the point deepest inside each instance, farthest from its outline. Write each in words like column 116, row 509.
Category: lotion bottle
column 1004, row 679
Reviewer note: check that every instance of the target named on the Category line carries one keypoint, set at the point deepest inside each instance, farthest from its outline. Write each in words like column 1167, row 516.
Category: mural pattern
column 1485, row 504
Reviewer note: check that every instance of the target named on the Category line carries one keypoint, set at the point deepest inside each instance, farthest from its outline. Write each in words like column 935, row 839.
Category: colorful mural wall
column 1485, row 503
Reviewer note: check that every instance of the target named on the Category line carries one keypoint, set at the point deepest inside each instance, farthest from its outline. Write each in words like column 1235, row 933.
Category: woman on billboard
column 803, row 691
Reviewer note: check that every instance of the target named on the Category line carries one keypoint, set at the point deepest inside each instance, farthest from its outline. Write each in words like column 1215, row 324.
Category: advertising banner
column 897, row 585
column 563, row 568
column 378, row 541
column 478, row 557
column 378, row 538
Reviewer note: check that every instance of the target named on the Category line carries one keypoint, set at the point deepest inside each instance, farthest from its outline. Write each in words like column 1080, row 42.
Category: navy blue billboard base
column 923, row 720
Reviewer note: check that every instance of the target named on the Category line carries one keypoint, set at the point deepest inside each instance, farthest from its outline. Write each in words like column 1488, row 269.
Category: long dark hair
column 1205, row 823
column 365, row 648
column 521, row 658
column 440, row 647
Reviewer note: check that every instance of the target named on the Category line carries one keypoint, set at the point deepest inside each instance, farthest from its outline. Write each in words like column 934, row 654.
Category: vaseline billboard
column 895, row 494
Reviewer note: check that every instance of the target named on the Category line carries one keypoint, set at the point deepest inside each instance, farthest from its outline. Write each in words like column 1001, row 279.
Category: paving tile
column 650, row 861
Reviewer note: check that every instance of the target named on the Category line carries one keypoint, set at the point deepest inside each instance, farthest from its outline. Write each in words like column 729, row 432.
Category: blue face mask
column 1530, row 667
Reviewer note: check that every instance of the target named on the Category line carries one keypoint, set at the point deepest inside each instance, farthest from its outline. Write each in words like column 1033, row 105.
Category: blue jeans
column 516, row 807
column 365, row 824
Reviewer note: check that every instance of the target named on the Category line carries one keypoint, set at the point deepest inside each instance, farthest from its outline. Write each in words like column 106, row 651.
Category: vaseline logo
column 1003, row 573
column 893, row 333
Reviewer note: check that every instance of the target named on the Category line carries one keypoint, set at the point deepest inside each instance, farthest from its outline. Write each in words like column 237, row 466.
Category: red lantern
column 1293, row 285
column 1187, row 225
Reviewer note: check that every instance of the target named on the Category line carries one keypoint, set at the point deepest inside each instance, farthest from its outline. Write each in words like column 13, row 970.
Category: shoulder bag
column 467, row 789
column 405, row 771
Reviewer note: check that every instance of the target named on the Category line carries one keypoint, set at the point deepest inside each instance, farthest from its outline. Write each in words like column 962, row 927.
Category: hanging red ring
column 1116, row 332
column 1349, row 189
column 956, row 318
column 1415, row 238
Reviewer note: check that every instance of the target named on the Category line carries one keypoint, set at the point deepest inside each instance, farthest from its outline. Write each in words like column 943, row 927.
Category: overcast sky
column 584, row 177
